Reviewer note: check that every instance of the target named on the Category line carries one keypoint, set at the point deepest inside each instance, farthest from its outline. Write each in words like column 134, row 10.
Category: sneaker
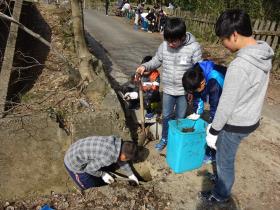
column 149, row 116
column 161, row 145
column 208, row 159
column 208, row 197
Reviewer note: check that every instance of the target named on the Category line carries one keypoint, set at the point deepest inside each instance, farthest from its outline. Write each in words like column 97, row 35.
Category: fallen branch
column 19, row 68
column 40, row 38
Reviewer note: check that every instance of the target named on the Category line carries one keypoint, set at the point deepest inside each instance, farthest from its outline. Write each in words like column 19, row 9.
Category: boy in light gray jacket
column 240, row 105
column 177, row 54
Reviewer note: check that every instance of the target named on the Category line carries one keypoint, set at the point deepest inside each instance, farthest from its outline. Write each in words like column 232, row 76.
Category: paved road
column 114, row 41
column 121, row 49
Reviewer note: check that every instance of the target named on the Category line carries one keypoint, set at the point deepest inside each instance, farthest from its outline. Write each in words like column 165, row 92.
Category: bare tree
column 85, row 58
column 88, row 74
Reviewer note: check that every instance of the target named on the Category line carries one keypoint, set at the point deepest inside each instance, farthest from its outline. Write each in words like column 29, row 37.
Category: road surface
column 114, row 41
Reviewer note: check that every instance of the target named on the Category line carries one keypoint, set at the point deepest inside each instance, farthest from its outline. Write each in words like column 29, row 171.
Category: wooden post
column 269, row 38
column 256, row 26
column 276, row 64
column 260, row 28
column 275, row 40
column 9, row 57
column 266, row 27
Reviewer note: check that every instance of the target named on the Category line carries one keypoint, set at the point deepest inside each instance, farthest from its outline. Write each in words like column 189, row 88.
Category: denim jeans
column 227, row 145
column 170, row 104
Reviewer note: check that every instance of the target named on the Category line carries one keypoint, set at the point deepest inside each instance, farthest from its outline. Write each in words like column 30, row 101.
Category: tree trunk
column 85, row 58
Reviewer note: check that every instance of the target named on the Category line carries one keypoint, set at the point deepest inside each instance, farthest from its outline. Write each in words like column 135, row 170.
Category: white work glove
column 210, row 138
column 131, row 95
column 107, row 178
column 133, row 178
column 208, row 128
column 193, row 116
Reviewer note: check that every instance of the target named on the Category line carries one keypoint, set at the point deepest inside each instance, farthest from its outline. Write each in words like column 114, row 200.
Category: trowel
column 142, row 135
column 121, row 177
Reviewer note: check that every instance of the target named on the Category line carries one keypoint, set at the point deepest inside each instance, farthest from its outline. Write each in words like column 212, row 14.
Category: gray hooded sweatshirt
column 175, row 62
column 244, row 90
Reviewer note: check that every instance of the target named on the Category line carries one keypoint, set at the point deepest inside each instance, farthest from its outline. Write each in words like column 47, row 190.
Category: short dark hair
column 233, row 20
column 129, row 149
column 191, row 79
column 174, row 29
column 146, row 59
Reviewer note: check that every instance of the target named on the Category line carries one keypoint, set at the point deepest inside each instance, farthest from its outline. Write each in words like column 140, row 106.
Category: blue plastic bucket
column 186, row 150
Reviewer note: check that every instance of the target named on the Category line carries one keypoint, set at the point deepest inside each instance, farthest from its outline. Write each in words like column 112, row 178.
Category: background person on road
column 107, row 2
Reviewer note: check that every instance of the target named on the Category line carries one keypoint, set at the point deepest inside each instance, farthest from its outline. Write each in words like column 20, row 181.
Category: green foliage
column 185, row 5
column 267, row 9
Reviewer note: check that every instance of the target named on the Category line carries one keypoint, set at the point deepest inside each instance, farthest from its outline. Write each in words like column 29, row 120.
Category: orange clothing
column 151, row 82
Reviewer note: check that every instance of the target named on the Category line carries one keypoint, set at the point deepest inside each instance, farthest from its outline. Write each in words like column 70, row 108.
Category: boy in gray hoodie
column 177, row 54
column 239, row 109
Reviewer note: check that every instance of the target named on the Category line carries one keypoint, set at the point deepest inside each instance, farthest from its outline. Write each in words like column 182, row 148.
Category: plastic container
column 186, row 150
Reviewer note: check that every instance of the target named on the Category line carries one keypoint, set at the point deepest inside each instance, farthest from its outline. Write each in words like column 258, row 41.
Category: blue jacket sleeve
column 215, row 91
column 198, row 104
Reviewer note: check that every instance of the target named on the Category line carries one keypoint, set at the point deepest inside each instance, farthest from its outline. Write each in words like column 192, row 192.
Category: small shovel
column 142, row 136
column 122, row 178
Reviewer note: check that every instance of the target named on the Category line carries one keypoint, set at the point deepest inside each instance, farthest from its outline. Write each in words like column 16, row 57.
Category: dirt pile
column 119, row 195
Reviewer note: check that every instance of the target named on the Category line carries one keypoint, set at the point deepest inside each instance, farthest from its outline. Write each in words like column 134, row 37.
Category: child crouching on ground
column 150, row 86
column 86, row 159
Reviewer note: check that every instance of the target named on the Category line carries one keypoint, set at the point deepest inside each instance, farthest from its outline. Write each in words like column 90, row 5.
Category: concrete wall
column 31, row 156
column 32, row 149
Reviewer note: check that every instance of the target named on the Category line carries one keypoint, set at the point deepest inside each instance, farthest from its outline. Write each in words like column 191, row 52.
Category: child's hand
column 134, row 178
column 137, row 78
column 147, row 85
column 211, row 140
column 189, row 97
column 193, row 116
column 107, row 178
column 131, row 95
column 140, row 70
